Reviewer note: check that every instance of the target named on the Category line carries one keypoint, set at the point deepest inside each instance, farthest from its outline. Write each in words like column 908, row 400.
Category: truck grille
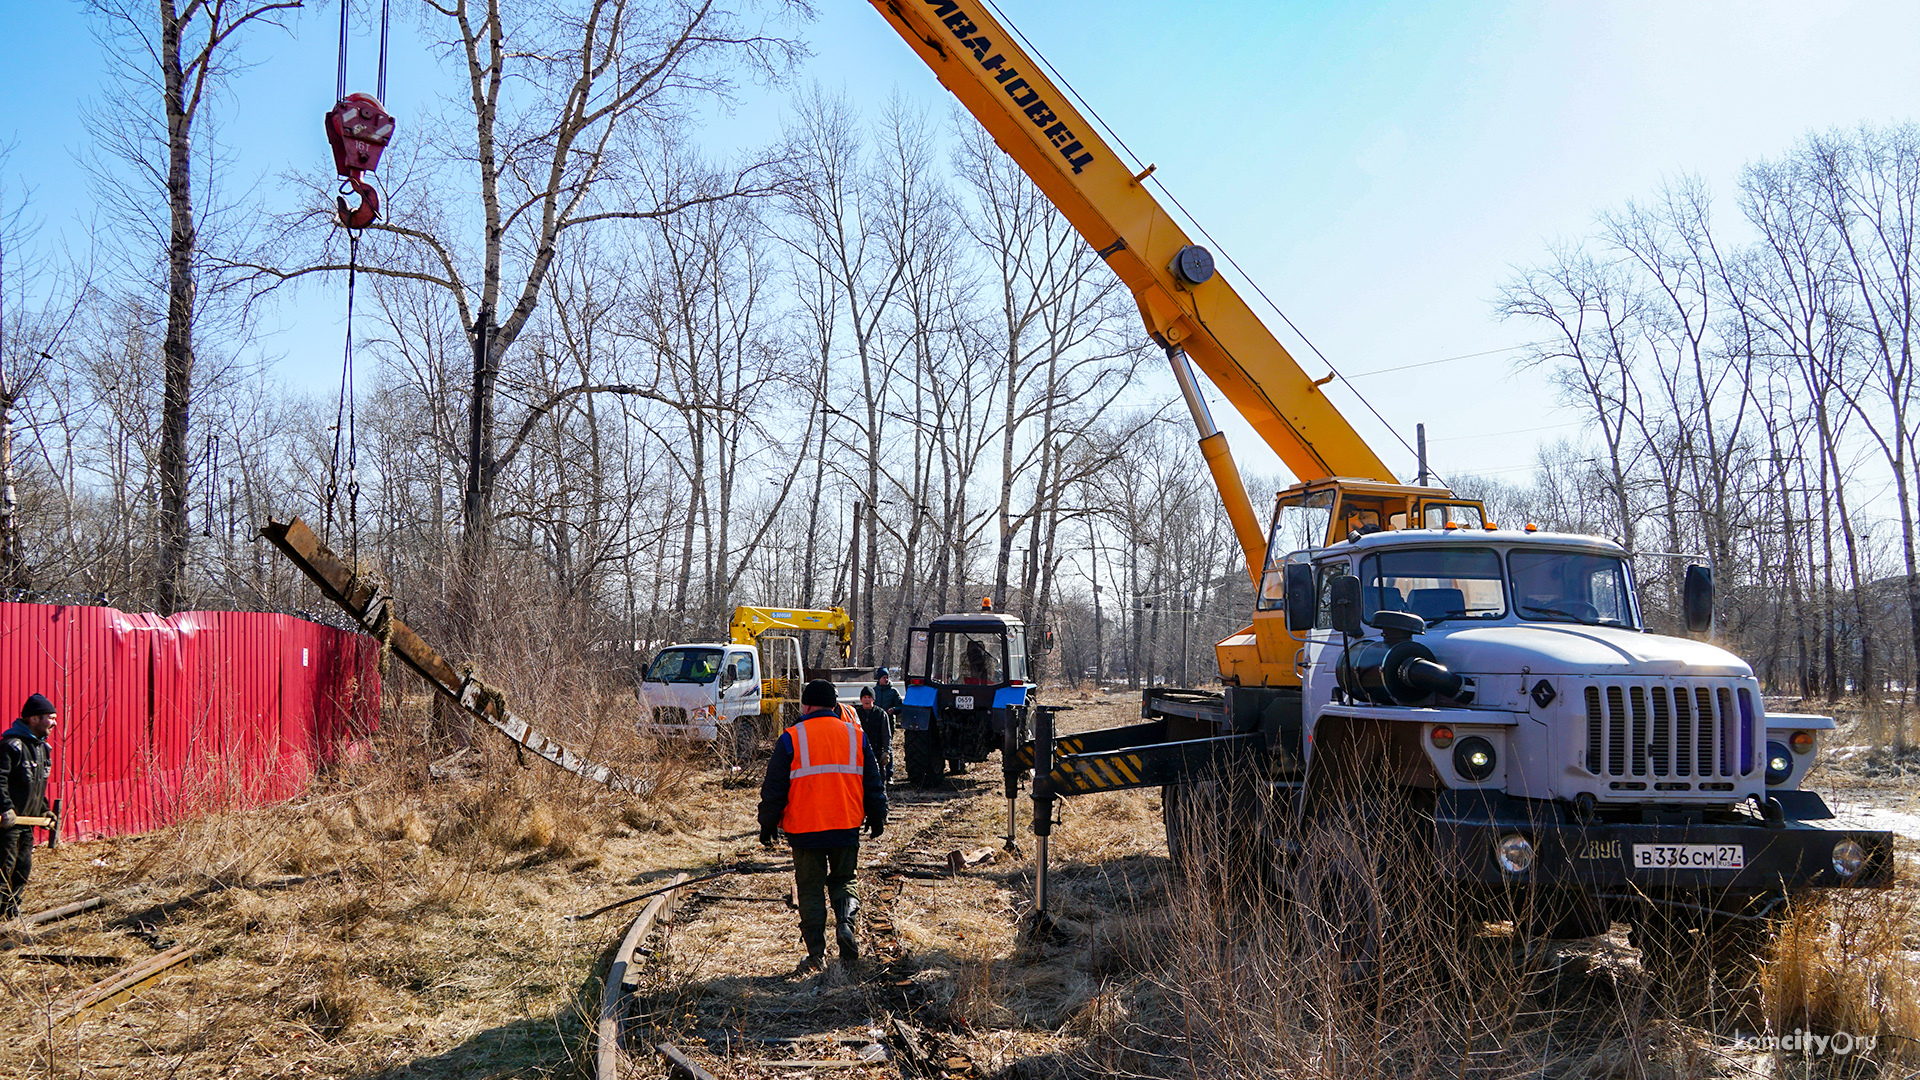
column 1670, row 738
column 669, row 714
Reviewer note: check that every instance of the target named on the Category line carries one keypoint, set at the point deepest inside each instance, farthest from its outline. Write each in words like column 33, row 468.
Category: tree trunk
column 170, row 583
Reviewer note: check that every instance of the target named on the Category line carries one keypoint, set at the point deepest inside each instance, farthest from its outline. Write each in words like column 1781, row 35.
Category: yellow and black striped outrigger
column 1138, row 755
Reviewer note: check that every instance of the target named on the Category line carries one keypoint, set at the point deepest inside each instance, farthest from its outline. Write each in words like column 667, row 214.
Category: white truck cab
column 698, row 690
column 1553, row 683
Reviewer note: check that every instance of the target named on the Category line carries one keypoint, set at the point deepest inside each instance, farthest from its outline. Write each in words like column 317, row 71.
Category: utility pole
column 1420, row 440
column 853, row 586
column 1099, row 653
column 1186, row 624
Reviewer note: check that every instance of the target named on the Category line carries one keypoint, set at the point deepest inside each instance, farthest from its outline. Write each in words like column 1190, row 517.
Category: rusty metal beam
column 111, row 991
column 366, row 601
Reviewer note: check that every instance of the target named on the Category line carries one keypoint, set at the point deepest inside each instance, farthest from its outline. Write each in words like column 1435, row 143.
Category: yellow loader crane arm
column 750, row 622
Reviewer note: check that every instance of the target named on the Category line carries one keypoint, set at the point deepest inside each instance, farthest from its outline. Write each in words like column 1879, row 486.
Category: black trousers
column 16, row 862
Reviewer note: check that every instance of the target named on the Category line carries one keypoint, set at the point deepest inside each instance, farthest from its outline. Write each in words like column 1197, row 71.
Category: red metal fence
column 163, row 719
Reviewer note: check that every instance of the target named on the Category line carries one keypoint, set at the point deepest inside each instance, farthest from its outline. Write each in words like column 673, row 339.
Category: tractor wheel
column 923, row 758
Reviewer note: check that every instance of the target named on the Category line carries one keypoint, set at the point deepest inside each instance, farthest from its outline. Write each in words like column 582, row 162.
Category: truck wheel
column 1695, row 964
column 1344, row 897
column 741, row 741
column 924, row 762
column 1211, row 840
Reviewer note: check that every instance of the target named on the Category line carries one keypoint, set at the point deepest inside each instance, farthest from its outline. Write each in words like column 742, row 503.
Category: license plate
column 963, row 701
column 1689, row 857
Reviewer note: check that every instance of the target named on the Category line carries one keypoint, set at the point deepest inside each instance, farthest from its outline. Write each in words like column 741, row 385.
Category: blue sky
column 1380, row 169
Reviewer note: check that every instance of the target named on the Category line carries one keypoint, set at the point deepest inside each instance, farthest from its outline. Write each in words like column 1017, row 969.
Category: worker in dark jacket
column 886, row 698
column 822, row 783
column 25, row 761
column 885, row 694
column 878, row 727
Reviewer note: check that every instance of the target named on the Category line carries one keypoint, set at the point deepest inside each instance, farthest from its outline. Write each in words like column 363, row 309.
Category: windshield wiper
column 1556, row 611
column 1444, row 616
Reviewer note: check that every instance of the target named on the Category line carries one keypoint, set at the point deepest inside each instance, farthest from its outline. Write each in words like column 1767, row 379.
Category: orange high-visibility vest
column 824, row 788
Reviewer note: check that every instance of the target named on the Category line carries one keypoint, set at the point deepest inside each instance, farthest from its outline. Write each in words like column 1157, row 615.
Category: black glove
column 875, row 828
column 768, row 834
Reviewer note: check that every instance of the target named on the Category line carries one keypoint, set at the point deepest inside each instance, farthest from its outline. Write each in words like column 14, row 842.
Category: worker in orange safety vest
column 821, row 785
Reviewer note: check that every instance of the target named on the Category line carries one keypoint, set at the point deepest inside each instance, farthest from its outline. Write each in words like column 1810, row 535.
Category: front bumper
column 1779, row 858
column 707, row 731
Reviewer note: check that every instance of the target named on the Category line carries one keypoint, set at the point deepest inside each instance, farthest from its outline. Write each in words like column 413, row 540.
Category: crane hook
column 357, row 217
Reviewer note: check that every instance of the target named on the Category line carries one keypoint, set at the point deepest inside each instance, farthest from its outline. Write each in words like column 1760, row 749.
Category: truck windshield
column 1566, row 586
column 1434, row 583
column 684, row 665
column 967, row 657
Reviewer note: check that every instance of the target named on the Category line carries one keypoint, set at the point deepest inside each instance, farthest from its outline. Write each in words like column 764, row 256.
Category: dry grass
column 388, row 925
column 385, row 922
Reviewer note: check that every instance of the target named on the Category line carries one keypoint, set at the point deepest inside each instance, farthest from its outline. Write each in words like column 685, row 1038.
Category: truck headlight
column 1515, row 854
column 1473, row 758
column 1779, row 763
column 1848, row 858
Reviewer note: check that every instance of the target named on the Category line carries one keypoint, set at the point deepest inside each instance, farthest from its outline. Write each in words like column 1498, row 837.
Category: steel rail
column 608, row 1045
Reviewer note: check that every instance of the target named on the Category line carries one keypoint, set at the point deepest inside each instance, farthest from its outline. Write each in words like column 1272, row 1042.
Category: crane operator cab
column 966, row 695
column 1315, row 515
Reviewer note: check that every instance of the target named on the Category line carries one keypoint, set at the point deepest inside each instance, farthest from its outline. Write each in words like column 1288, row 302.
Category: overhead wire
column 1449, row 359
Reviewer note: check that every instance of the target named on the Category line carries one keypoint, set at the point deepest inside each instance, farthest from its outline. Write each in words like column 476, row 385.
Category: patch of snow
column 1873, row 817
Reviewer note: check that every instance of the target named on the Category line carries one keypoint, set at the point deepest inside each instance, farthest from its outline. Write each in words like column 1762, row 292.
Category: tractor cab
column 966, row 692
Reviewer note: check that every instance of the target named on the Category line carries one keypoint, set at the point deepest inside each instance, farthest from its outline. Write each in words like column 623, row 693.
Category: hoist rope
column 344, row 422
column 340, row 71
column 385, row 12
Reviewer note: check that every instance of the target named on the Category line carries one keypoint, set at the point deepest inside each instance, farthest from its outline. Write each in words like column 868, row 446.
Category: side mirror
column 1301, row 603
column 1696, row 598
column 728, row 675
column 1345, row 591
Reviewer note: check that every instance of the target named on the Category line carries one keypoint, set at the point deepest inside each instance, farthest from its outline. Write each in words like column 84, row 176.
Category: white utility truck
column 744, row 691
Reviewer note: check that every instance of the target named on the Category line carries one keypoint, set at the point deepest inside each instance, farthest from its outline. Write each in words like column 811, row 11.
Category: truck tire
column 1345, row 899
column 741, row 741
column 1699, row 965
column 924, row 761
column 1208, row 837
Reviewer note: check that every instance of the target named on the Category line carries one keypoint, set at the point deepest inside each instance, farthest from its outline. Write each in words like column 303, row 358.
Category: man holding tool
column 26, row 761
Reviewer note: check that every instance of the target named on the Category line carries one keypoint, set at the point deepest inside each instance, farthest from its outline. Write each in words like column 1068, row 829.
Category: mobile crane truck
column 1501, row 682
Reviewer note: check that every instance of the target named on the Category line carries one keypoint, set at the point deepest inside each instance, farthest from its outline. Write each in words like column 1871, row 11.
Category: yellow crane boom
column 750, row 622
column 1188, row 309
column 1031, row 119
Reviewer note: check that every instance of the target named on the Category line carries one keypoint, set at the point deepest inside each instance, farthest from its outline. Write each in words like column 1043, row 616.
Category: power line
column 1515, row 431
column 1450, row 359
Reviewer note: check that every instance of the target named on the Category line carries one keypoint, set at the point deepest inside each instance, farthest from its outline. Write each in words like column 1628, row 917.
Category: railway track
column 874, row 1021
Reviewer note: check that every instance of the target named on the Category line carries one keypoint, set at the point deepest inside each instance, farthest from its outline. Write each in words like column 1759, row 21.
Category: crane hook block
column 358, row 129
column 358, row 217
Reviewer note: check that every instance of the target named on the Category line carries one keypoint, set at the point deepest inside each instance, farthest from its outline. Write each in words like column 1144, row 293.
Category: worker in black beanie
column 25, row 761
column 822, row 785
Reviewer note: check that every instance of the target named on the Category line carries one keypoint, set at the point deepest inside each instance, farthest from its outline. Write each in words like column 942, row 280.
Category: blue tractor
column 967, row 693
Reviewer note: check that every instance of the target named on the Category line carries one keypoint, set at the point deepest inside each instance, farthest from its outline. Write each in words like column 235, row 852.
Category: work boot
column 844, row 909
column 814, row 962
